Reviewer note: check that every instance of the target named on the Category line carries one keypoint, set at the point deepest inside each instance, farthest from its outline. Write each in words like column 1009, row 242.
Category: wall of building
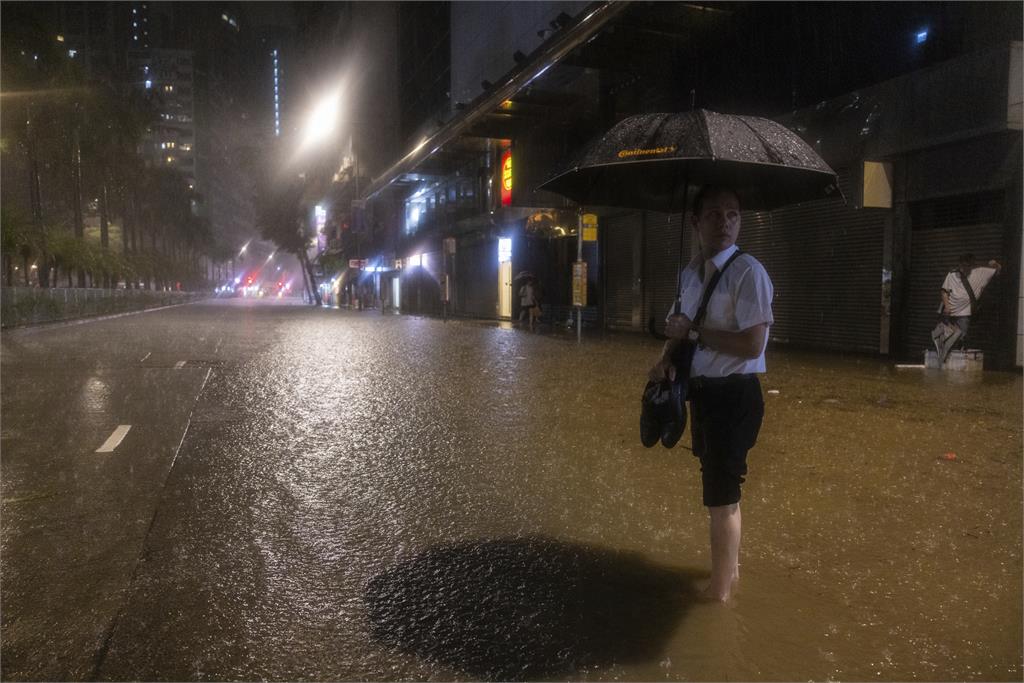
column 485, row 35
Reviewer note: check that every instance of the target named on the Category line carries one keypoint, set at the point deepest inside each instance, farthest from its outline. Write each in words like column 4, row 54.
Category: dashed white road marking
column 114, row 440
column 143, row 359
column 179, row 365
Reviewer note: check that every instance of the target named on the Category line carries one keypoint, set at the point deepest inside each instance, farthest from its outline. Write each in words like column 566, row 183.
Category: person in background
column 726, row 403
column 528, row 302
column 960, row 293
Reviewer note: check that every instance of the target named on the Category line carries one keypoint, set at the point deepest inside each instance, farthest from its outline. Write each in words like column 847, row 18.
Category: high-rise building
column 165, row 78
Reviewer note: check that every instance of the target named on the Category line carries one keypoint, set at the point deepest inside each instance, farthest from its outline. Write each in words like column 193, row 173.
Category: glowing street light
column 322, row 120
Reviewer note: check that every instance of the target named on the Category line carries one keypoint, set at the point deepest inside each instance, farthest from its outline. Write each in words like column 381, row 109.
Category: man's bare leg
column 725, row 550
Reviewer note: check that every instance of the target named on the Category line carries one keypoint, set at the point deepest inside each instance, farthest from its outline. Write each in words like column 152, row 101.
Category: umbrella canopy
column 523, row 274
column 649, row 161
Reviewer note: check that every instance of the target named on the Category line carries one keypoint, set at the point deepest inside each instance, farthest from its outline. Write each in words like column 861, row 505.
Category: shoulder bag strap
column 702, row 311
column 970, row 290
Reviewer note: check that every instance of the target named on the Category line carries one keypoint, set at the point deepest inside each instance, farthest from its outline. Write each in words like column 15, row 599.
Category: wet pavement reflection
column 370, row 497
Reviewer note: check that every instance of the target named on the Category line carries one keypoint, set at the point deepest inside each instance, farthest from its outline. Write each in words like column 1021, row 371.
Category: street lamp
column 234, row 272
column 322, row 120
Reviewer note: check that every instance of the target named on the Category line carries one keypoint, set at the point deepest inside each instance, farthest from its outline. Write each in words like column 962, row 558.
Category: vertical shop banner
column 589, row 227
column 579, row 283
column 506, row 178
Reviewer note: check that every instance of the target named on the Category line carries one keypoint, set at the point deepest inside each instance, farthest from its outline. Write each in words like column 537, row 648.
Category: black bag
column 662, row 413
column 663, row 403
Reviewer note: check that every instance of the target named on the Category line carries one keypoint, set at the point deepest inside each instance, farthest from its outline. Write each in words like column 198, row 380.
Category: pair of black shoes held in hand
column 663, row 413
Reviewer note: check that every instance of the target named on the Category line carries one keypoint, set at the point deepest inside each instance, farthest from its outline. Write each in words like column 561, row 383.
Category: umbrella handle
column 679, row 269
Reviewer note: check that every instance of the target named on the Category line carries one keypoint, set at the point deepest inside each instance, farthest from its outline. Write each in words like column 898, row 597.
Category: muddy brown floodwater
column 368, row 497
column 882, row 526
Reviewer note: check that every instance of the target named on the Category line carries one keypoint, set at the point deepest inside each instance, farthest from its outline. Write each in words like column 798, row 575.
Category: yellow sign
column 589, row 227
column 626, row 153
column 506, row 178
column 506, row 172
column 579, row 283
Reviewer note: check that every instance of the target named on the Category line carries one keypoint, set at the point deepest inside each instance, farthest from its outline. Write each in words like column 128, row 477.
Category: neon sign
column 506, row 178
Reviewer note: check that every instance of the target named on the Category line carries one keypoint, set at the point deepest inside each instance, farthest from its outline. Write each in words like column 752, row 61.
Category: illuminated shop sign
column 320, row 214
column 506, row 178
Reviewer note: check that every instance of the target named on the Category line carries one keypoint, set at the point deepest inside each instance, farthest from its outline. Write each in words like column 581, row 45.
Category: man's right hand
column 677, row 326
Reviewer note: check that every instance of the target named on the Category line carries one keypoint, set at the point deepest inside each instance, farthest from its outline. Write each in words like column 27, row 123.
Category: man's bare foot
column 712, row 594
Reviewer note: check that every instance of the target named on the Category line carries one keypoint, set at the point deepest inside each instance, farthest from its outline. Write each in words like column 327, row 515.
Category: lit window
column 149, row 83
column 922, row 36
column 504, row 249
column 72, row 53
column 60, row 39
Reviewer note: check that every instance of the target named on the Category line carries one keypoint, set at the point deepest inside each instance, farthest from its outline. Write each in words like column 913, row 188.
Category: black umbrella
column 649, row 161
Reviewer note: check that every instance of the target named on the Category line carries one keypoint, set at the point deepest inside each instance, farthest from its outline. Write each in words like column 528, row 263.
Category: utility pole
column 76, row 172
column 35, row 195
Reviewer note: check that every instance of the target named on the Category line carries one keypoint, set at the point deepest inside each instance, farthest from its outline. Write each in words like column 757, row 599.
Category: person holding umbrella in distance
column 725, row 395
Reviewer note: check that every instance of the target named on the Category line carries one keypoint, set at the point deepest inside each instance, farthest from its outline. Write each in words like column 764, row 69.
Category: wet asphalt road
column 325, row 495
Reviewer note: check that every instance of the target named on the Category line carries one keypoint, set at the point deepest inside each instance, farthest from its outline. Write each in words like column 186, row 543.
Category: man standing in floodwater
column 727, row 406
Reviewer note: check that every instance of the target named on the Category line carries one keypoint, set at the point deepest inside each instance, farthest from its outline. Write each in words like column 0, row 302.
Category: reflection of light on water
column 95, row 396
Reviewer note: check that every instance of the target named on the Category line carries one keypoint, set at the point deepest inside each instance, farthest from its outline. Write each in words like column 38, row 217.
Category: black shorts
column 725, row 418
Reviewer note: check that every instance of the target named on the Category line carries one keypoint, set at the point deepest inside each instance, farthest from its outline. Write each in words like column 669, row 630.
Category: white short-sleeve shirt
column 742, row 299
column 959, row 299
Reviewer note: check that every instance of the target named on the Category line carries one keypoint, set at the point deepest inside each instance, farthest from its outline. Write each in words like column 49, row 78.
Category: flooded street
column 332, row 495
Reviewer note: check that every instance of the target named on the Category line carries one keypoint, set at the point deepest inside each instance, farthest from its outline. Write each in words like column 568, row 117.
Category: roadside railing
column 34, row 305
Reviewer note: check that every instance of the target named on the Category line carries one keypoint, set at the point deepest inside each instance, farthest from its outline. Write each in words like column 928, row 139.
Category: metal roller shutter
column 941, row 231
column 662, row 234
column 825, row 262
column 620, row 235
